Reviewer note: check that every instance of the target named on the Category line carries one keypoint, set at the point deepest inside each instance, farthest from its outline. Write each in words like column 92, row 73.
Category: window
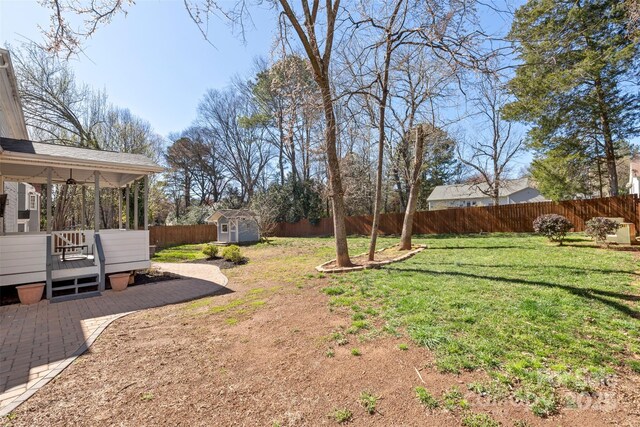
column 33, row 202
column 224, row 228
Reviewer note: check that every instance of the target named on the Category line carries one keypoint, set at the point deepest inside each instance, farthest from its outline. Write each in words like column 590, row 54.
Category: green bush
column 210, row 250
column 232, row 253
column 598, row 228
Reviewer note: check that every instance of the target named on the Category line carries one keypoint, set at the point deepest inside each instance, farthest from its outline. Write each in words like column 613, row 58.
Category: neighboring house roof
column 475, row 191
column 12, row 124
column 43, row 152
column 230, row 214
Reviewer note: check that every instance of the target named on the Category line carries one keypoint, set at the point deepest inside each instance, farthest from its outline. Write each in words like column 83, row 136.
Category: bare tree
column 316, row 34
column 57, row 108
column 243, row 147
column 491, row 157
column 386, row 22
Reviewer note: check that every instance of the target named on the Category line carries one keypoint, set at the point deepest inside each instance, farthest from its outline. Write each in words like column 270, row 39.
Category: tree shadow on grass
column 449, row 248
column 560, row 267
column 588, row 293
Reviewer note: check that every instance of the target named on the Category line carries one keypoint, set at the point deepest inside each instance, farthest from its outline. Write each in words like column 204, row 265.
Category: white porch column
column 96, row 205
column 1, row 192
column 83, row 213
column 119, row 208
column 135, row 205
column 49, row 196
column 126, row 213
column 146, row 202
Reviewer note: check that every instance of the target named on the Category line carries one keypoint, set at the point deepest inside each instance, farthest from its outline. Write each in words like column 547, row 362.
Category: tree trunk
column 335, row 180
column 382, row 108
column 378, row 198
column 609, row 149
column 416, row 174
column 280, row 149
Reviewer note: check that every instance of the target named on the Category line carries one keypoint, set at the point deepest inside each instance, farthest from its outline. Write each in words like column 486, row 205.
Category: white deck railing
column 23, row 256
column 69, row 239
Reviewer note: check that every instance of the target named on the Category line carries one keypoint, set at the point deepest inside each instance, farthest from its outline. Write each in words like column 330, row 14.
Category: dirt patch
column 260, row 356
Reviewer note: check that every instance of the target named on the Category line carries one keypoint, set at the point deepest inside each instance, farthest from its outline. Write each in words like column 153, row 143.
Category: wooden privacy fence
column 506, row 218
column 165, row 236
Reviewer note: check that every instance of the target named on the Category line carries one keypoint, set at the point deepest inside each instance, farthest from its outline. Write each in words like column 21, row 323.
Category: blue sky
column 154, row 60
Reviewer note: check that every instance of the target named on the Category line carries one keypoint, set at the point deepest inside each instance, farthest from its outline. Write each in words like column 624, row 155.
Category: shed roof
column 475, row 191
column 231, row 214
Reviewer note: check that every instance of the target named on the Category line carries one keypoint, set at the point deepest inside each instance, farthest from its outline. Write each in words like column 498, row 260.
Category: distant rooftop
column 475, row 191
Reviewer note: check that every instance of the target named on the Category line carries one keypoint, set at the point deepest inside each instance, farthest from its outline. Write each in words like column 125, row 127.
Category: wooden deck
column 71, row 262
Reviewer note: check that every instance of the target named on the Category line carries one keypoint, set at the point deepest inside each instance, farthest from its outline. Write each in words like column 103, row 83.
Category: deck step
column 72, row 297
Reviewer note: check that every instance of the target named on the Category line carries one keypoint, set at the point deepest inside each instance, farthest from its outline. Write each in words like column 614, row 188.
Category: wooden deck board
column 58, row 264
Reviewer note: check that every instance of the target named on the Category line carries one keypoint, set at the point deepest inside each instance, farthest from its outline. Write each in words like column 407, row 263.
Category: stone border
column 375, row 264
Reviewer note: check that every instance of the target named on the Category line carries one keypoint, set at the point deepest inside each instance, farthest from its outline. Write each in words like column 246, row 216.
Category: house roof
column 16, row 148
column 12, row 122
column 230, row 214
column 34, row 162
column 475, row 191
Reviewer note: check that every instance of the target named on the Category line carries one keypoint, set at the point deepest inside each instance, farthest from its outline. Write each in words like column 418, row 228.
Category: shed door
column 223, row 228
column 233, row 231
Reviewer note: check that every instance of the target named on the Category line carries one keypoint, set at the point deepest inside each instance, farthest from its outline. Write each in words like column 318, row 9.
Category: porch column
column 96, row 205
column 146, row 202
column 126, row 213
column 135, row 205
column 119, row 208
column 49, row 183
column 83, row 212
column 1, row 192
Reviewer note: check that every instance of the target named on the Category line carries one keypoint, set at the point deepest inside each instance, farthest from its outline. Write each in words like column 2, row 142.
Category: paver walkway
column 38, row 341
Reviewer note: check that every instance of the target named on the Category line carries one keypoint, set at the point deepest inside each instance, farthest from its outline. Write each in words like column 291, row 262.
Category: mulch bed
column 383, row 257
column 153, row 276
column 221, row 263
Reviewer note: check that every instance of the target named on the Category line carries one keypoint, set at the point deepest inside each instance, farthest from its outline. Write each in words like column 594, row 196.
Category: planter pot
column 30, row 294
column 119, row 282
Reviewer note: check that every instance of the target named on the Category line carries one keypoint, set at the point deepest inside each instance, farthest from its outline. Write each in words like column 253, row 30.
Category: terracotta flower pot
column 30, row 294
column 119, row 282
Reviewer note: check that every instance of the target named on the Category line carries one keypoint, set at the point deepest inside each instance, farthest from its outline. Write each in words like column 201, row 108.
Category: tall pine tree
column 575, row 84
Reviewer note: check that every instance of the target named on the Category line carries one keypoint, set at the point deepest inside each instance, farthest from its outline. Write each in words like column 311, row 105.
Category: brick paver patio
column 38, row 341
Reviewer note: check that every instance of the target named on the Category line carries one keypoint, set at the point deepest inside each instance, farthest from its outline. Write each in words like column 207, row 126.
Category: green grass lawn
column 537, row 317
column 181, row 253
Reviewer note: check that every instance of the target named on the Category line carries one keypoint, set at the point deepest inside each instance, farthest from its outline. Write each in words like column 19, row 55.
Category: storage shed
column 235, row 226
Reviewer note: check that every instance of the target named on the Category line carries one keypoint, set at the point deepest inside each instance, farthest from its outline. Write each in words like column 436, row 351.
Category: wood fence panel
column 516, row 218
column 165, row 236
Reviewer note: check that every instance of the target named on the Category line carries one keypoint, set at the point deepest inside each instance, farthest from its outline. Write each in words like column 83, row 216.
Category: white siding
column 22, row 258
column 125, row 250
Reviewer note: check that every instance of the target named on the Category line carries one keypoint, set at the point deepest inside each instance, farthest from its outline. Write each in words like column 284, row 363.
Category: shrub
column 210, row 250
column 597, row 228
column 553, row 226
column 232, row 253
